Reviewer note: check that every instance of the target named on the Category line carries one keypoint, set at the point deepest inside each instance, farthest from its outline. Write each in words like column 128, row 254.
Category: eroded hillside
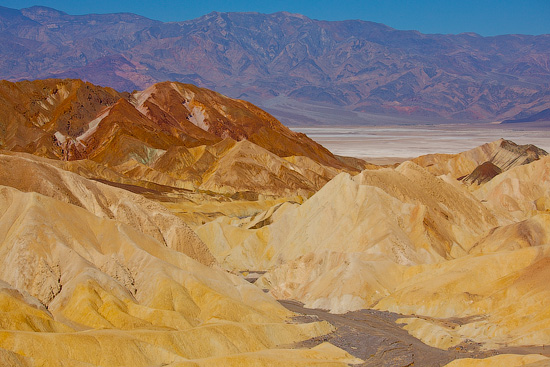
column 133, row 225
column 99, row 264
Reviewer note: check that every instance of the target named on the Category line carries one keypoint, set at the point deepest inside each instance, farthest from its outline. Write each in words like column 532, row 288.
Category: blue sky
column 486, row 17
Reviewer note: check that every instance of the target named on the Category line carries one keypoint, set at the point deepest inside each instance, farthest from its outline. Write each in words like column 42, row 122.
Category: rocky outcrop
column 483, row 173
column 98, row 265
column 520, row 192
column 454, row 257
column 32, row 174
column 139, row 302
column 504, row 154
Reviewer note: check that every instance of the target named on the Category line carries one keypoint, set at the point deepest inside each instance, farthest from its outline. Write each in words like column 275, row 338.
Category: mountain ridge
column 354, row 64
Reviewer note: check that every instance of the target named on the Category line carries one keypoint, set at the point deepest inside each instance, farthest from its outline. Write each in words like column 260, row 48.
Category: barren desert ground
column 391, row 144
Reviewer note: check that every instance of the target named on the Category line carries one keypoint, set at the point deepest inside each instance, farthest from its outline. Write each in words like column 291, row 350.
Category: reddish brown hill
column 32, row 112
column 485, row 172
column 40, row 116
column 172, row 134
column 208, row 117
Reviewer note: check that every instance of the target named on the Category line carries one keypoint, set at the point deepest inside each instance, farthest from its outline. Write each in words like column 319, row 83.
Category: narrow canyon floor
column 377, row 338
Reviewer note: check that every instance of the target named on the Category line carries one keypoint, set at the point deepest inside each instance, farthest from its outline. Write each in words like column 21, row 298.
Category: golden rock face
column 503, row 154
column 109, row 277
column 455, row 257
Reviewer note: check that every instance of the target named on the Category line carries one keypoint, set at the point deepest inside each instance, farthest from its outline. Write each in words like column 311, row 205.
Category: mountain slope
column 353, row 64
column 31, row 174
column 405, row 216
column 141, row 136
column 519, row 192
column 98, row 265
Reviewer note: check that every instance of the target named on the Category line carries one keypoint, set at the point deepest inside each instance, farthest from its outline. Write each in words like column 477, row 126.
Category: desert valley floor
column 396, row 143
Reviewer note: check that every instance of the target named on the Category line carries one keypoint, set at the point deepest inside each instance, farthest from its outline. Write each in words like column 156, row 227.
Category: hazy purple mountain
column 543, row 115
column 357, row 65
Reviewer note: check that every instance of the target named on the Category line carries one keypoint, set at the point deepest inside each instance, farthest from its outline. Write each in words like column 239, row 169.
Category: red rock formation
column 170, row 134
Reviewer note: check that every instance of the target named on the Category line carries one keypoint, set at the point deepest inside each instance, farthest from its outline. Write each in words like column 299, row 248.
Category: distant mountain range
column 543, row 115
column 354, row 65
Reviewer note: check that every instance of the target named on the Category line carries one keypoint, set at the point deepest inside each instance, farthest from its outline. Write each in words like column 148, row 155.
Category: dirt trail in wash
column 375, row 337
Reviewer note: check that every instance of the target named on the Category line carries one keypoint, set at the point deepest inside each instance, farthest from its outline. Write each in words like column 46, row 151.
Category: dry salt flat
column 389, row 144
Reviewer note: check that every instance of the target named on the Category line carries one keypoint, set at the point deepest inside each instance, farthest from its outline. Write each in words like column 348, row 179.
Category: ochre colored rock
column 31, row 174
column 520, row 192
column 133, row 300
column 406, row 241
column 173, row 135
column 502, row 153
